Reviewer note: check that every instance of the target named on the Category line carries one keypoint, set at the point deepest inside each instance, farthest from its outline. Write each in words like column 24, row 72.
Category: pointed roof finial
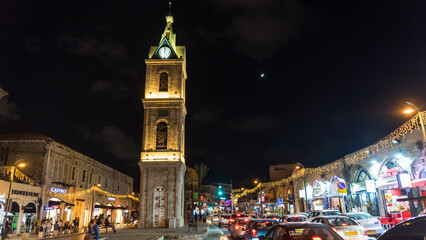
column 170, row 8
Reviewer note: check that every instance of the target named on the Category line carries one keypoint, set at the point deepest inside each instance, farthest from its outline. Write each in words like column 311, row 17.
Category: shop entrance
column 28, row 217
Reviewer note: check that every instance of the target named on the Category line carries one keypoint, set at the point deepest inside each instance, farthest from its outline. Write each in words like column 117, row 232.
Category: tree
column 201, row 170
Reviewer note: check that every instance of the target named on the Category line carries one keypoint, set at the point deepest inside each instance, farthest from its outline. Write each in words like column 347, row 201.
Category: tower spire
column 170, row 8
column 168, row 31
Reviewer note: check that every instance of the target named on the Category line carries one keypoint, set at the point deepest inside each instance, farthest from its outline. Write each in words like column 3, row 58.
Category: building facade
column 71, row 183
column 162, row 162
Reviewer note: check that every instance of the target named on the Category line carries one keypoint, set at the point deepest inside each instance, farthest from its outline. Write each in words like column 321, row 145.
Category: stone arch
column 163, row 83
column 161, row 135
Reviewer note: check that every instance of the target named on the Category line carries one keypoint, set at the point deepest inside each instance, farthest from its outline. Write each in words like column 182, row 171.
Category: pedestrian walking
column 91, row 233
column 109, row 224
column 97, row 222
column 61, row 226
column 56, row 229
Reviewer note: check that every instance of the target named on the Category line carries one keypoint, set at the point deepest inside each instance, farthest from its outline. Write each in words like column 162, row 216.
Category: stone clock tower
column 162, row 162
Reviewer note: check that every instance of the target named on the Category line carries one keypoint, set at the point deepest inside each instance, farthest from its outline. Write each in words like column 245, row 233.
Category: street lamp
column 298, row 167
column 20, row 163
column 410, row 110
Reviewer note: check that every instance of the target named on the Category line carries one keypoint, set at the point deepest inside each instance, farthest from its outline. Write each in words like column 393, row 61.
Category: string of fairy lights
column 355, row 158
column 91, row 190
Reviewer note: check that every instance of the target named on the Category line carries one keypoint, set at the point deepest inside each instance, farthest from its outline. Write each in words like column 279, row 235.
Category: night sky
column 336, row 77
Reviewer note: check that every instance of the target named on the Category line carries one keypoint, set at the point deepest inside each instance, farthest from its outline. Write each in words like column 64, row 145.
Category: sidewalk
column 35, row 236
column 159, row 233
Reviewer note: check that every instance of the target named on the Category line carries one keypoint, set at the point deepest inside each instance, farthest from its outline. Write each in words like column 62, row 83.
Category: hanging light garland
column 91, row 190
column 351, row 159
column 7, row 172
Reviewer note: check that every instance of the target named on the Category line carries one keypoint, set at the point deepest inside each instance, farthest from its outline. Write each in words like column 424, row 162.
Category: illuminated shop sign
column 58, row 190
column 111, row 199
column 24, row 193
column 405, row 180
column 48, row 208
column 370, row 185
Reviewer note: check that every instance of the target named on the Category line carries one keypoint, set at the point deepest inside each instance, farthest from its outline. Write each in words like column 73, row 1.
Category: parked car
column 319, row 213
column 412, row 229
column 371, row 224
column 344, row 226
column 301, row 231
column 258, row 227
column 236, row 229
column 224, row 219
column 235, row 216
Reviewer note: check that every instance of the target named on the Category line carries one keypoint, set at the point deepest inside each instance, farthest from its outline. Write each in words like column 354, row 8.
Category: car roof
column 302, row 224
column 414, row 227
column 336, row 216
column 264, row 220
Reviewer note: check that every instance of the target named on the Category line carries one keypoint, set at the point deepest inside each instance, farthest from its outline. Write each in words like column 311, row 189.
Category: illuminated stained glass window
column 161, row 136
column 363, row 175
column 164, row 82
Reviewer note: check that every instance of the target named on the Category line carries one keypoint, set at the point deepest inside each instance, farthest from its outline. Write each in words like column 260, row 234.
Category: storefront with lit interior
column 364, row 193
column 22, row 205
column 59, row 205
column 401, row 184
column 325, row 195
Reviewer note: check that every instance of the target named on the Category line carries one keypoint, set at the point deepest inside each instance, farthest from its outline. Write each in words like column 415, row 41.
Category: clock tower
column 162, row 162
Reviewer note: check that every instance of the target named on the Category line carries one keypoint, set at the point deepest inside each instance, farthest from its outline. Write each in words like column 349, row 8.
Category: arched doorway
column 28, row 217
column 159, row 214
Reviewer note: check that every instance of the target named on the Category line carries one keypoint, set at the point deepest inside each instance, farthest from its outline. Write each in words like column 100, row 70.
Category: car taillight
column 231, row 220
column 334, row 229
column 222, row 218
column 365, row 231
column 316, row 238
column 246, row 220
column 253, row 233
column 274, row 218
column 236, row 227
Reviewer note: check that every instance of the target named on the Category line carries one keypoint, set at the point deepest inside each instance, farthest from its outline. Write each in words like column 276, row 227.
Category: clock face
column 164, row 52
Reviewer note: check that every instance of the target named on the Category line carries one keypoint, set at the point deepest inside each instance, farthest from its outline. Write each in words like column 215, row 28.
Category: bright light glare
column 297, row 167
column 408, row 111
column 399, row 156
column 22, row 165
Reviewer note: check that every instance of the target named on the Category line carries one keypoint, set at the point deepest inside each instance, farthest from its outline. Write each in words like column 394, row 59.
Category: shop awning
column 101, row 206
column 121, row 208
column 54, row 203
column 68, row 204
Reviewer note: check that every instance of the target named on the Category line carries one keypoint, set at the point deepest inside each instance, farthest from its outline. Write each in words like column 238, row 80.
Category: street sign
column 279, row 201
column 341, row 185
column 342, row 190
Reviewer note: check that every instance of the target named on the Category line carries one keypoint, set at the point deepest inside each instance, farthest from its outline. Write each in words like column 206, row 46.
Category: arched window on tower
column 161, row 135
column 164, row 82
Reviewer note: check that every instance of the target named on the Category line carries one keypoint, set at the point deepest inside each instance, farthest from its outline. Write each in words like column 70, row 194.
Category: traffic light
column 220, row 192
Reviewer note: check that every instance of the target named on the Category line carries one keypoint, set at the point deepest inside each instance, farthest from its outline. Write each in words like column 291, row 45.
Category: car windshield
column 305, row 233
column 296, row 219
column 360, row 216
column 265, row 225
column 331, row 213
column 341, row 221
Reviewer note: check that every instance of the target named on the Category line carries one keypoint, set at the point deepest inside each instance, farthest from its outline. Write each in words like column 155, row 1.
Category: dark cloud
column 210, row 114
column 106, row 49
column 117, row 90
column 84, row 132
column 33, row 45
column 259, row 28
column 8, row 110
column 257, row 123
column 120, row 144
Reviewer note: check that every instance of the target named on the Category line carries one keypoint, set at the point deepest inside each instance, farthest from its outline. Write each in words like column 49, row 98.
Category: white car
column 321, row 213
column 236, row 229
column 294, row 218
column 224, row 219
column 344, row 226
column 215, row 219
column 371, row 224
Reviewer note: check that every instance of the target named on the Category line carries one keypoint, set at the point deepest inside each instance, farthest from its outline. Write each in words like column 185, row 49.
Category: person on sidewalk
column 56, row 229
column 98, row 222
column 91, row 233
column 61, row 226
column 109, row 224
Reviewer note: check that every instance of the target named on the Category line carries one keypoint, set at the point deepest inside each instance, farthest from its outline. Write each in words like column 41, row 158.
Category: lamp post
column 298, row 167
column 408, row 111
column 260, row 196
column 19, row 163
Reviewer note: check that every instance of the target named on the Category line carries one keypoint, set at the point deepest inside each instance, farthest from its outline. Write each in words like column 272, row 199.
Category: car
column 319, row 213
column 344, row 226
column 215, row 219
column 371, row 224
column 411, row 229
column 301, row 231
column 224, row 219
column 258, row 227
column 294, row 218
column 236, row 229
column 235, row 216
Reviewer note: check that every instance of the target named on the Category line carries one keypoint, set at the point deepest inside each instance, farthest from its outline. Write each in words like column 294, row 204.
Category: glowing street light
column 422, row 124
column 256, row 181
column 298, row 167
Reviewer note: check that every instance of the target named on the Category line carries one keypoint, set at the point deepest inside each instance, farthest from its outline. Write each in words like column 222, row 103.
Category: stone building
column 162, row 162
column 280, row 171
column 66, row 178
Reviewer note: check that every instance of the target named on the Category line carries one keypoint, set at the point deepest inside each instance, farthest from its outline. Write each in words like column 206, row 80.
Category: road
column 215, row 232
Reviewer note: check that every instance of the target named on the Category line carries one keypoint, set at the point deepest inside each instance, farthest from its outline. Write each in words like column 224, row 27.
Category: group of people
column 94, row 225
column 58, row 227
